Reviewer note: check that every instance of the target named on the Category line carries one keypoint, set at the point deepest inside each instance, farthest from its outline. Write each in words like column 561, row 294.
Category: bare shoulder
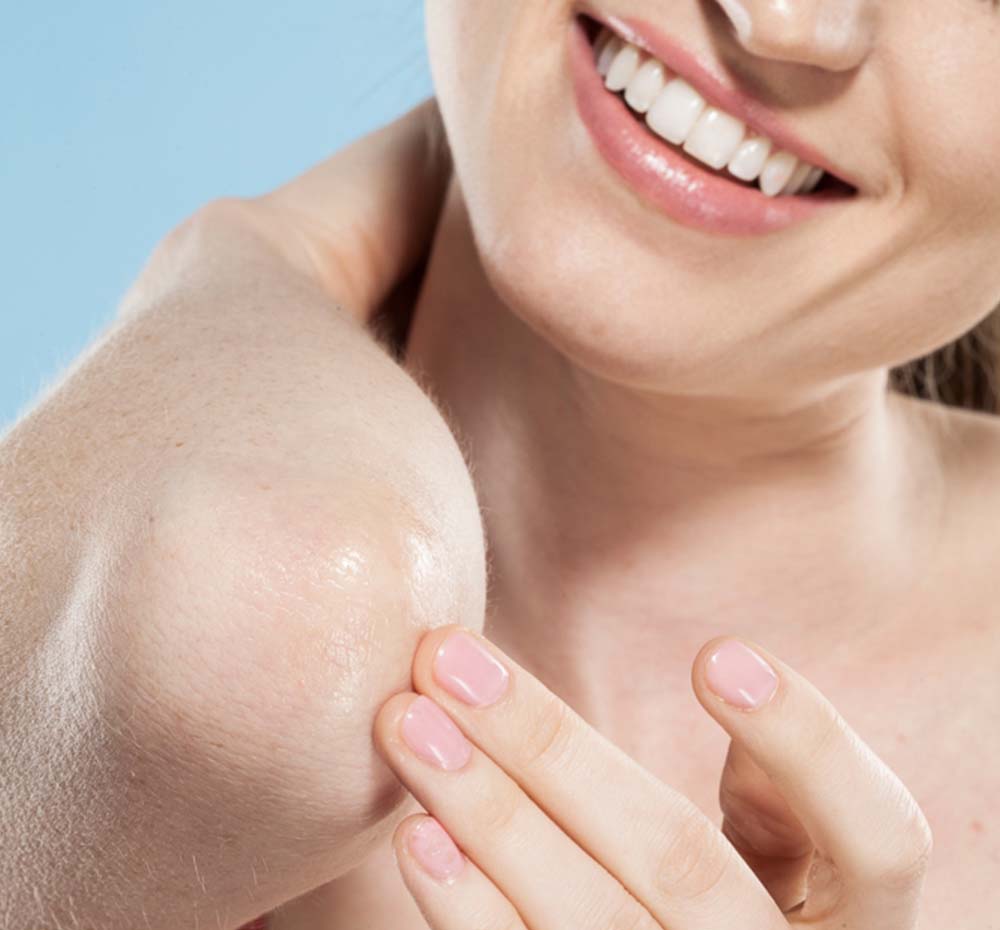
column 950, row 696
column 959, row 568
column 966, row 450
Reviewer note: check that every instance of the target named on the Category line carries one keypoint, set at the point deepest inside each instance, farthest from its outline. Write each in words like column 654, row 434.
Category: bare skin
column 643, row 465
column 204, row 523
column 616, row 636
column 215, row 570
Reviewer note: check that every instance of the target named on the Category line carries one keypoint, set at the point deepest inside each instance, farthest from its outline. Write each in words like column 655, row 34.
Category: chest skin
column 925, row 695
column 934, row 721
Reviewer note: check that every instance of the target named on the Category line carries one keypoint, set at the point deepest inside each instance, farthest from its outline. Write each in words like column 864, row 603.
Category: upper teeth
column 675, row 111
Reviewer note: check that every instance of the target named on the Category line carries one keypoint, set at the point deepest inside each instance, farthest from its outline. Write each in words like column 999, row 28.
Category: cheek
column 579, row 260
column 631, row 298
column 948, row 116
column 463, row 72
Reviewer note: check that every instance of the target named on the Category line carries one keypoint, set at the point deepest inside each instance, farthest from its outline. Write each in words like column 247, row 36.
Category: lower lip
column 666, row 179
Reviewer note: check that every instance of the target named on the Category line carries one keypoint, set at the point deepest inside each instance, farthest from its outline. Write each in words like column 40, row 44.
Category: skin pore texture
column 231, row 531
column 675, row 436
column 842, row 28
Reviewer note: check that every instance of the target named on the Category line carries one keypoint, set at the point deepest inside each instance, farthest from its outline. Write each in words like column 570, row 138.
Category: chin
column 597, row 302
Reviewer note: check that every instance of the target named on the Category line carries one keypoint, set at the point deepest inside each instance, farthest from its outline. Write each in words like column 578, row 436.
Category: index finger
column 655, row 841
column 850, row 802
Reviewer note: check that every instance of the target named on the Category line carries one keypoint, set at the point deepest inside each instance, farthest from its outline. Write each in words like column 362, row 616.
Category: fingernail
column 432, row 735
column 466, row 670
column 739, row 676
column 435, row 851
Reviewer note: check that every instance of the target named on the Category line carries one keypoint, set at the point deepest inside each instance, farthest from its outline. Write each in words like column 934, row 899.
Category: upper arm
column 239, row 516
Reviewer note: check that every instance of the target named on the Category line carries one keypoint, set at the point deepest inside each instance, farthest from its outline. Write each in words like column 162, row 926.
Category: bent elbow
column 258, row 627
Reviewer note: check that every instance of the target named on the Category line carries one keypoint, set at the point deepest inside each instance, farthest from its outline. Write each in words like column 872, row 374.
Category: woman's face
column 900, row 97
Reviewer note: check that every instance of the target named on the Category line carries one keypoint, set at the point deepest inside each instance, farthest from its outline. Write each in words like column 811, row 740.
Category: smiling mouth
column 669, row 108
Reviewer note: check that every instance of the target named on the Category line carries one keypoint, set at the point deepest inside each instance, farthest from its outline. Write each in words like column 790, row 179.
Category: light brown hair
column 964, row 373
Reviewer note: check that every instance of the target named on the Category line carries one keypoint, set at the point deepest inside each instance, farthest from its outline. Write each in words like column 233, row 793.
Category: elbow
column 258, row 626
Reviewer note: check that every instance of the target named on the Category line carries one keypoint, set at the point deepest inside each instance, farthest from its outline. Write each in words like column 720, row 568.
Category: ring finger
column 497, row 825
column 451, row 892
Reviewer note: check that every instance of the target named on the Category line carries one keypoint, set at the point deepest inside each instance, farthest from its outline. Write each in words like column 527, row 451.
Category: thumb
column 362, row 220
column 762, row 827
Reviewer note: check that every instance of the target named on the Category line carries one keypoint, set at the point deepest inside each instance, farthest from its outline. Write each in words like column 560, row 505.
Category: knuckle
column 210, row 225
column 498, row 805
column 628, row 914
column 695, row 858
column 217, row 213
column 214, row 225
column 818, row 743
column 905, row 859
column 507, row 919
column 550, row 735
column 763, row 825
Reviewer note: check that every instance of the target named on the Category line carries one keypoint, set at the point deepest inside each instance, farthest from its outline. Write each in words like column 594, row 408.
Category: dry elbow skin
column 241, row 516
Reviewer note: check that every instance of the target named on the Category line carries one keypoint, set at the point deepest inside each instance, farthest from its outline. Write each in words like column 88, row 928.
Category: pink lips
column 665, row 178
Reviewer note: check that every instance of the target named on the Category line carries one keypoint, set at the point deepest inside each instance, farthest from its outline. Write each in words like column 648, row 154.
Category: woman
column 680, row 249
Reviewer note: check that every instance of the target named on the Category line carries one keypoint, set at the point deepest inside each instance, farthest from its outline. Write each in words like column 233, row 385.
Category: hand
column 361, row 220
column 356, row 224
column 563, row 831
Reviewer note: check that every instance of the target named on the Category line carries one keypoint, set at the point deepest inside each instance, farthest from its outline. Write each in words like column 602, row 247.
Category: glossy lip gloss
column 668, row 180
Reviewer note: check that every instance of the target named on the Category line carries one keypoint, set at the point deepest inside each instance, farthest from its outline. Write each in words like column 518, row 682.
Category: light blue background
column 117, row 119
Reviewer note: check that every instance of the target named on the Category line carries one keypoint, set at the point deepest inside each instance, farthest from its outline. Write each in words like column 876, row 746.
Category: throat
column 625, row 529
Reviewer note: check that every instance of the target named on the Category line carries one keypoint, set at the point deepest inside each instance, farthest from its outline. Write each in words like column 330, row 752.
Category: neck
column 626, row 528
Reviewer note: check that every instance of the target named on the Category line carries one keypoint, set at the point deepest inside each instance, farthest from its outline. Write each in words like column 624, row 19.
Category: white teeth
column 646, row 85
column 674, row 113
column 608, row 52
column 622, row 69
column 715, row 137
column 812, row 179
column 603, row 38
column 797, row 179
column 749, row 159
column 778, row 168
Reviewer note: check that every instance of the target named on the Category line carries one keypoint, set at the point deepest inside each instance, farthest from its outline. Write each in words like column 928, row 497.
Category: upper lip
column 717, row 90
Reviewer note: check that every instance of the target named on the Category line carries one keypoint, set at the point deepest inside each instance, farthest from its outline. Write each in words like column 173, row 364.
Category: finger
column 496, row 824
column 451, row 892
column 854, row 807
column 363, row 218
column 763, row 829
column 658, row 845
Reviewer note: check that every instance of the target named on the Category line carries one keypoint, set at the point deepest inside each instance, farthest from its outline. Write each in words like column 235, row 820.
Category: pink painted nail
column 430, row 733
column 435, row 851
column 466, row 670
column 739, row 676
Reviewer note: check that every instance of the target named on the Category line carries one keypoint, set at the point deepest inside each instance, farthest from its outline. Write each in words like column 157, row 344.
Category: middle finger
column 652, row 839
column 542, row 872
